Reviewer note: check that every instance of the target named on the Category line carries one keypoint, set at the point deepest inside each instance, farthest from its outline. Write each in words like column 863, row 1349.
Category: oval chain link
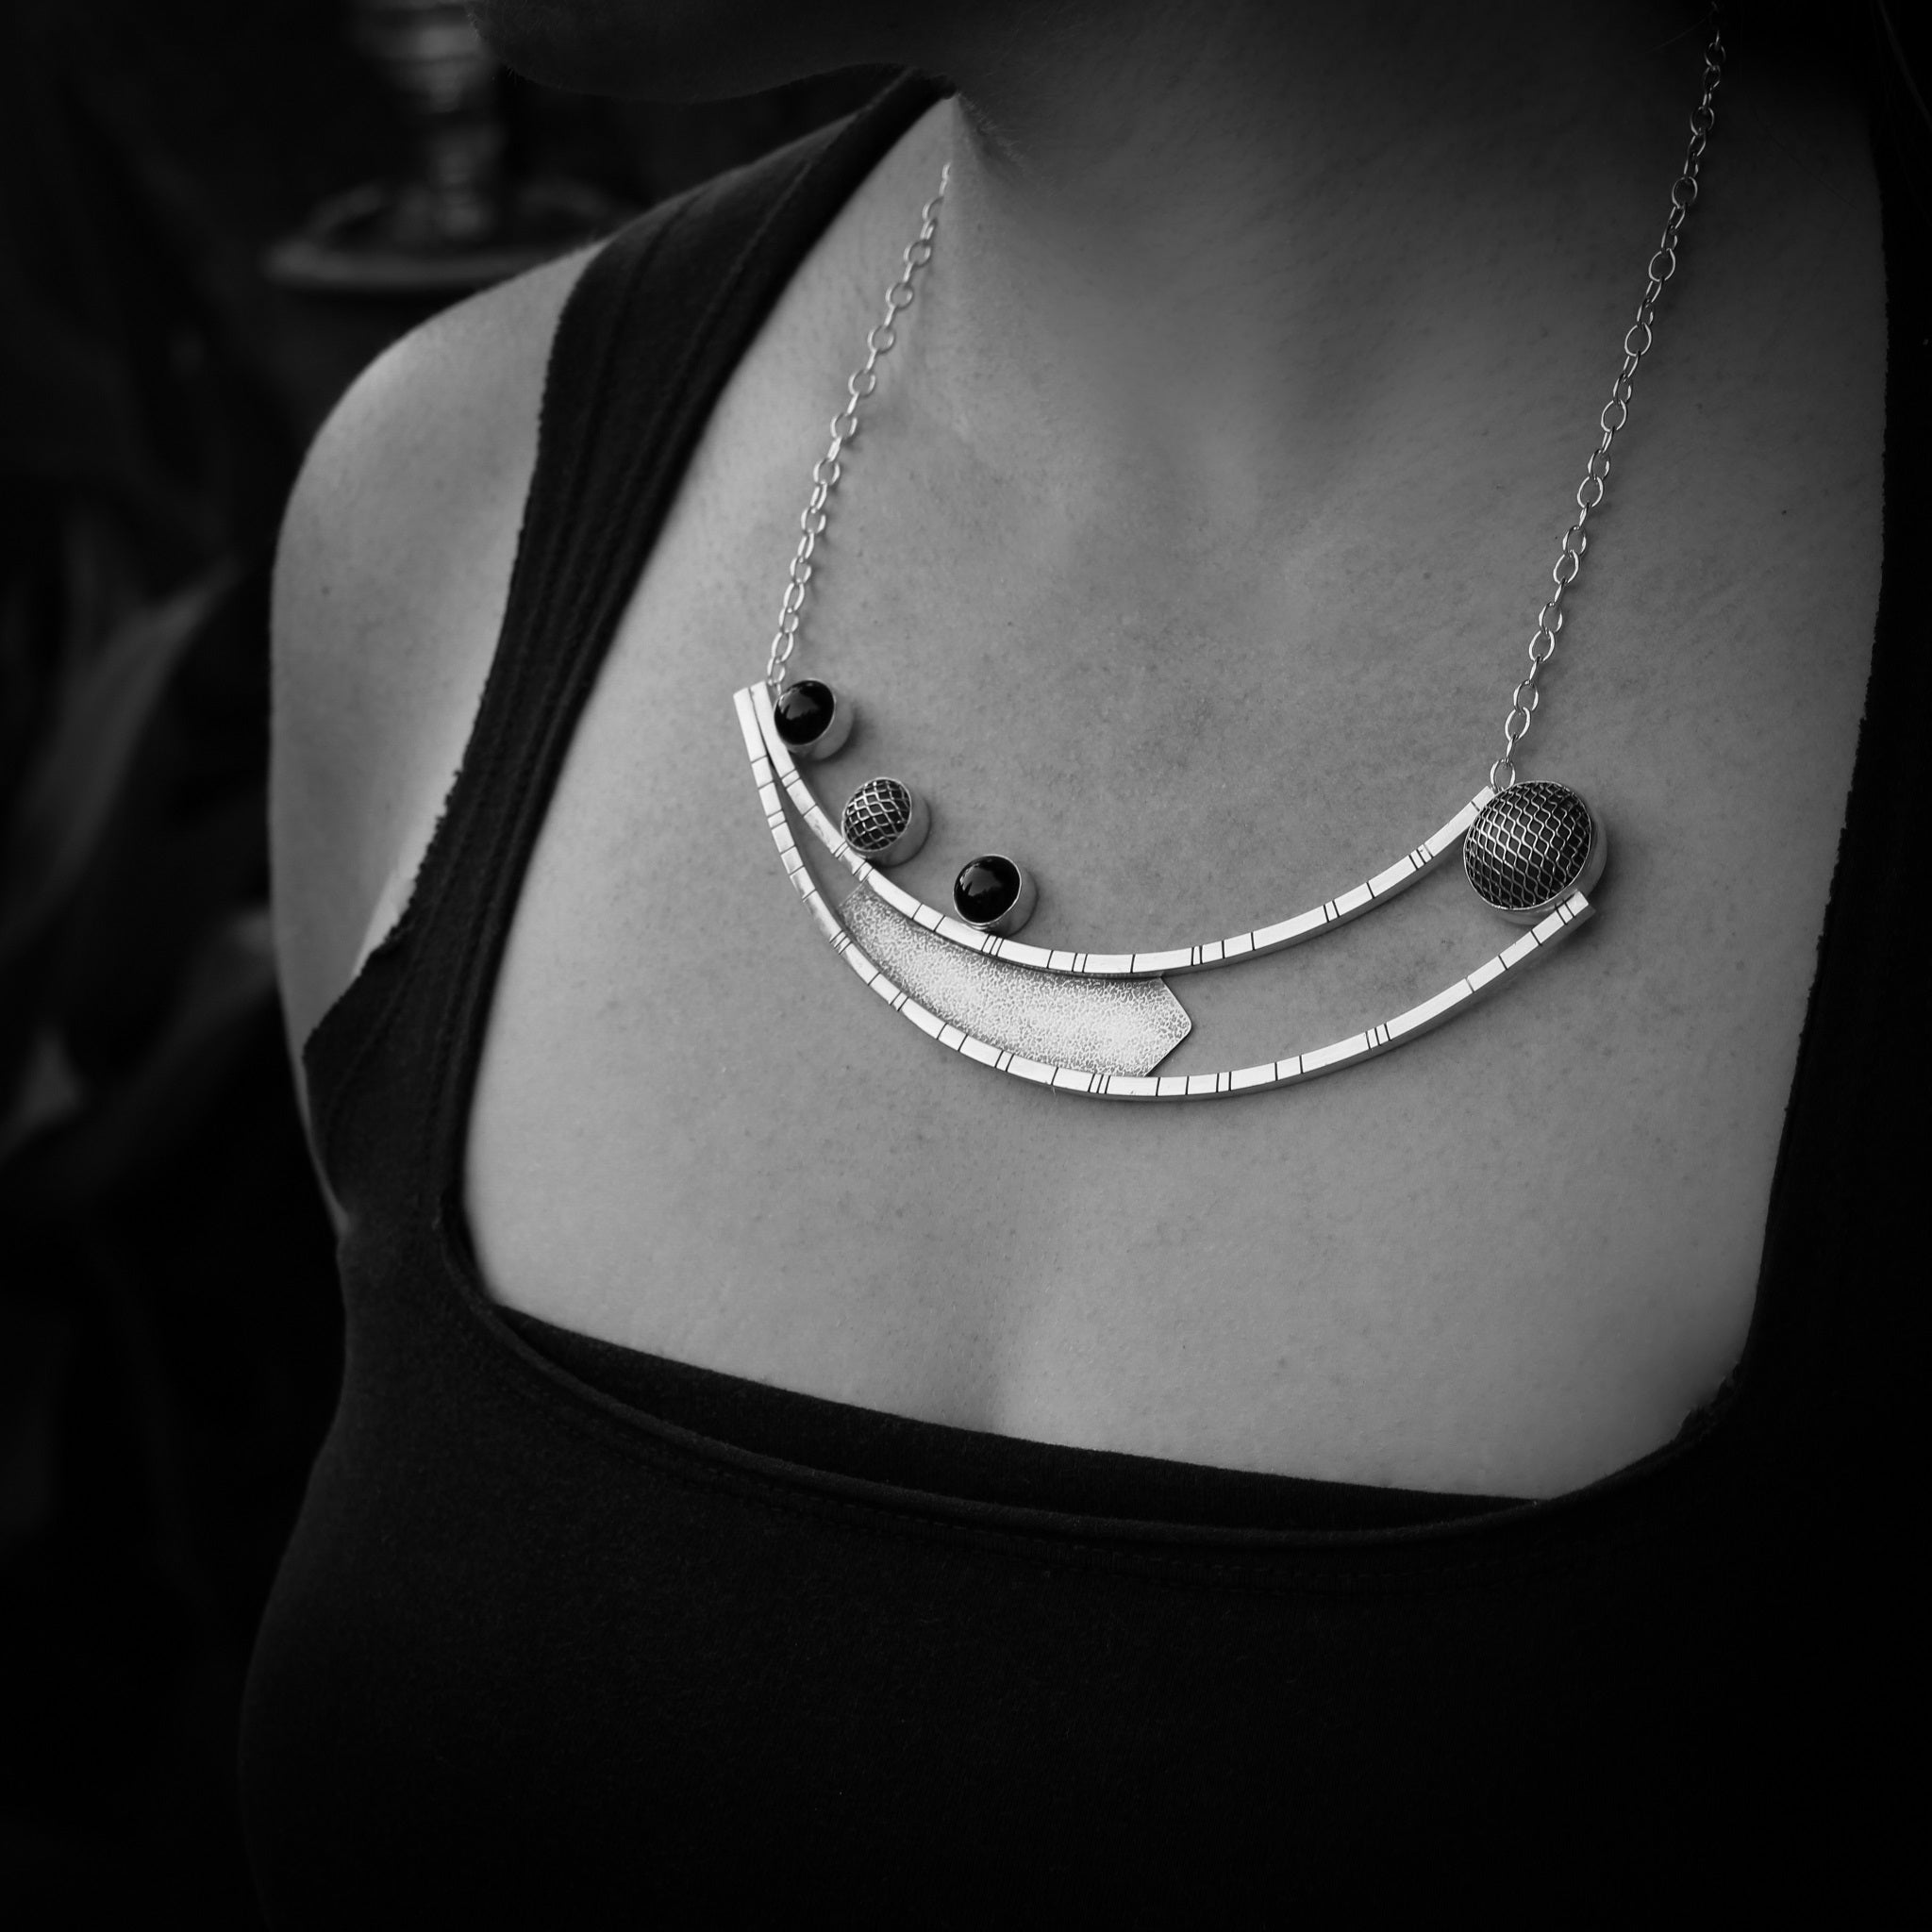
column 829, row 468
column 1615, row 413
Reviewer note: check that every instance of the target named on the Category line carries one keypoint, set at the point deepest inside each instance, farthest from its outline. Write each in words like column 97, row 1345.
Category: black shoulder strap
column 1835, row 1354
column 645, row 343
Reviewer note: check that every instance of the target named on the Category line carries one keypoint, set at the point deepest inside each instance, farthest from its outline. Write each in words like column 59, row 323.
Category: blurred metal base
column 380, row 239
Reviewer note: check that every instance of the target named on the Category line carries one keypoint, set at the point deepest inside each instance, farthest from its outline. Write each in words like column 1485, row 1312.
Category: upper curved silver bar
column 1398, row 877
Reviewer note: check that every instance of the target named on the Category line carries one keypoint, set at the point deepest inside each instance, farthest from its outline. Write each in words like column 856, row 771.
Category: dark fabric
column 569, row 1636
column 843, row 1440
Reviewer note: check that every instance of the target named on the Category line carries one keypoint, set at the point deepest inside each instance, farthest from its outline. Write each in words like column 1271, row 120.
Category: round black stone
column 986, row 889
column 804, row 711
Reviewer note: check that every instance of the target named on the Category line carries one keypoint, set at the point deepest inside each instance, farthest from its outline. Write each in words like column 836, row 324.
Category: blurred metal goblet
column 454, row 224
column 430, row 55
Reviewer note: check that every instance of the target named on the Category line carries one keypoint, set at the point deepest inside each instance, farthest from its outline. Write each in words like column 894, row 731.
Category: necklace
column 1099, row 1022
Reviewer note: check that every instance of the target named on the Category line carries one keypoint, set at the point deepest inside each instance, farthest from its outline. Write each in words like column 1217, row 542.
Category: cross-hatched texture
column 876, row 813
column 1527, row 845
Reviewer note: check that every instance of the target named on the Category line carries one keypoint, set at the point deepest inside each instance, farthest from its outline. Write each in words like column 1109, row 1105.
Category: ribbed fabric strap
column 646, row 343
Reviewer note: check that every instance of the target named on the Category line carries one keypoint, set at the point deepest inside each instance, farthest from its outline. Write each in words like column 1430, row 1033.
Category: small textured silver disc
column 1531, row 847
column 885, row 821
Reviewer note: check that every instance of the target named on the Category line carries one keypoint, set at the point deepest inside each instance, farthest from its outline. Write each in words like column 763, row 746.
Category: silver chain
column 829, row 469
column 1616, row 412
column 1590, row 493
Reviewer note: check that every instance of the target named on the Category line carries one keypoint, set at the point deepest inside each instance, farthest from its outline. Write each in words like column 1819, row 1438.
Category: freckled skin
column 1188, row 555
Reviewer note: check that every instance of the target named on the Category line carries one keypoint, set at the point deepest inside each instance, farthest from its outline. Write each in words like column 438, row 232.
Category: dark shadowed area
column 169, row 1325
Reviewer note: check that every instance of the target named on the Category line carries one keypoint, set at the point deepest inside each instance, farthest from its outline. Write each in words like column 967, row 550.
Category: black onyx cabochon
column 876, row 813
column 986, row 889
column 1528, row 846
column 803, row 711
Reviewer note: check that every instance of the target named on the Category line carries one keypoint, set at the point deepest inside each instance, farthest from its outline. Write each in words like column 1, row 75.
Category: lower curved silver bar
column 1291, row 1072
column 1104, row 1082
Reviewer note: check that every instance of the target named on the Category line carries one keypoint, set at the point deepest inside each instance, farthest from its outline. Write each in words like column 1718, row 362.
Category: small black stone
column 804, row 711
column 986, row 889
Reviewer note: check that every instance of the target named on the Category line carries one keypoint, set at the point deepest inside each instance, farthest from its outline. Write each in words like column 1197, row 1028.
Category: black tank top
column 568, row 1634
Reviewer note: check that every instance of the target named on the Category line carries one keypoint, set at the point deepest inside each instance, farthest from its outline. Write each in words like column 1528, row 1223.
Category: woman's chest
column 1508, row 1258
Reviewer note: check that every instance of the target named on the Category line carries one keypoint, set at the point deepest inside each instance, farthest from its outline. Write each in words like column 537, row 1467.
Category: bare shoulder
column 391, row 580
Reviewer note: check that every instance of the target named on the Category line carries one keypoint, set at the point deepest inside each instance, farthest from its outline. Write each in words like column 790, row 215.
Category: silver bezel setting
column 1103, row 1083
column 1138, row 964
column 1017, row 914
column 832, row 739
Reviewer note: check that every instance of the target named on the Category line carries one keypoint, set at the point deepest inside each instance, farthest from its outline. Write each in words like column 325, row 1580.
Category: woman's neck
column 1191, row 251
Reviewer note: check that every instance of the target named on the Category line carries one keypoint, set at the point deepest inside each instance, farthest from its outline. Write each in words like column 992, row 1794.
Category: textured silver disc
column 885, row 820
column 1531, row 847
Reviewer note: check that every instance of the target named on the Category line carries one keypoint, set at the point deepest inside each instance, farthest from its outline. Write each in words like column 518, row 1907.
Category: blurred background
column 212, row 214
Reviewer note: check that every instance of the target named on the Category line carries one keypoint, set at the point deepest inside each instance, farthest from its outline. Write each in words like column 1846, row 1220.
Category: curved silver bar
column 1458, row 998
column 776, row 755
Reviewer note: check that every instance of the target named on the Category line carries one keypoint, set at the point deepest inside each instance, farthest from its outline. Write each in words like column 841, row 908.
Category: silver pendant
column 813, row 717
column 1068, row 1028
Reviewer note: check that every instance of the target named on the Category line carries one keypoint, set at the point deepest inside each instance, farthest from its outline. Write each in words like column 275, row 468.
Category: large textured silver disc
column 1094, row 1025
column 1531, row 847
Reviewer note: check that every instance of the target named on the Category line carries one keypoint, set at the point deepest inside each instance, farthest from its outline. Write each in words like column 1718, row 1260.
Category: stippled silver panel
column 1096, row 1025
